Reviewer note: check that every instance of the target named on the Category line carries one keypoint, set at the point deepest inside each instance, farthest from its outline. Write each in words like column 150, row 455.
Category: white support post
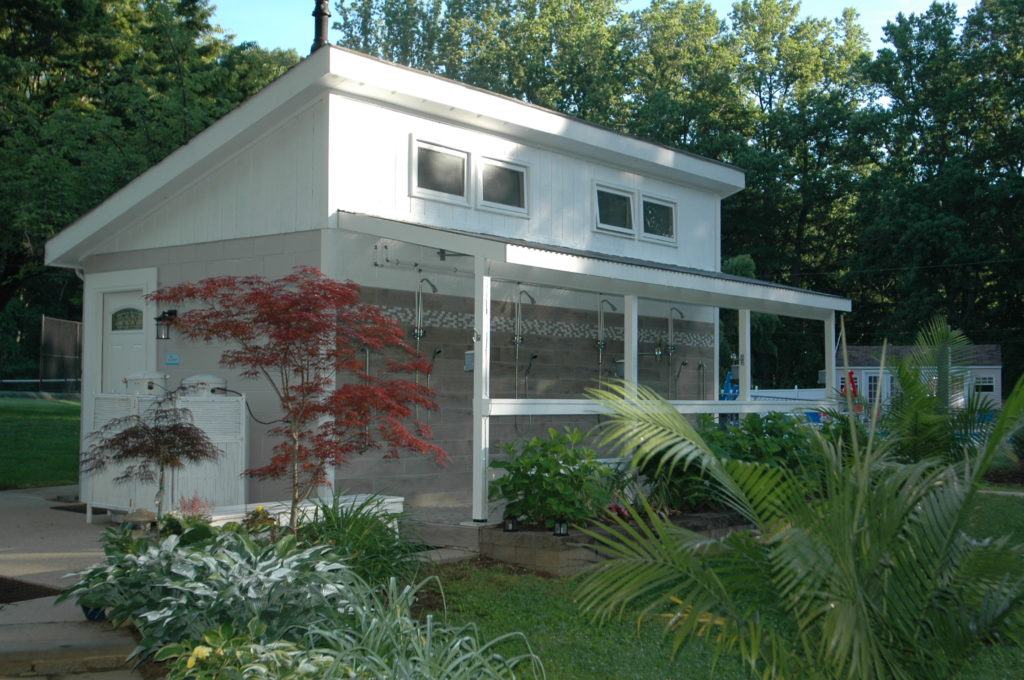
column 481, row 388
column 631, row 336
column 830, row 356
column 713, row 391
column 744, row 358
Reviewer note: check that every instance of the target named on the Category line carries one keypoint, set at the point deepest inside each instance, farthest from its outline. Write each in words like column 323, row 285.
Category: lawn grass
column 39, row 446
column 501, row 599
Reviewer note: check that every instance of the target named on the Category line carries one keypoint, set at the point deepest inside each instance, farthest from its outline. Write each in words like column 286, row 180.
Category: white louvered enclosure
column 218, row 483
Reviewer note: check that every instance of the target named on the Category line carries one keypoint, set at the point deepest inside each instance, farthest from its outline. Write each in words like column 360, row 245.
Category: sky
column 289, row 23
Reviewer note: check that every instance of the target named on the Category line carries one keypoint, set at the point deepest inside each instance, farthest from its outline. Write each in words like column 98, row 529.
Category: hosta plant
column 173, row 593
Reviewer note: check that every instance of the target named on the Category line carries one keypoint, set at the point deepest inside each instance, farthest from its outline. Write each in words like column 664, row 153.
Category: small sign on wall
column 172, row 360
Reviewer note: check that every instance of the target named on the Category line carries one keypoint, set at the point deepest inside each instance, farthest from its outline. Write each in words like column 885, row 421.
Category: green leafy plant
column 551, row 479
column 771, row 438
column 865, row 570
column 366, row 535
column 227, row 652
column 260, row 525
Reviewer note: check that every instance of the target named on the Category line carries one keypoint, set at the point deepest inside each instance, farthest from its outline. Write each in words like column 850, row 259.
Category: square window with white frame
column 984, row 383
column 439, row 172
column 614, row 209
column 503, row 186
column 659, row 218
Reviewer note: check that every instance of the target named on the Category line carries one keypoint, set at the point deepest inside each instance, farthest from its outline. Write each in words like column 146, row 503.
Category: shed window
column 984, row 383
column 441, row 170
column 503, row 185
column 614, row 210
column 127, row 319
column 872, row 388
column 659, row 218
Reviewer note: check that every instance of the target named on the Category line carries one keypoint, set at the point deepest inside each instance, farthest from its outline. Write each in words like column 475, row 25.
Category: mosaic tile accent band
column 547, row 328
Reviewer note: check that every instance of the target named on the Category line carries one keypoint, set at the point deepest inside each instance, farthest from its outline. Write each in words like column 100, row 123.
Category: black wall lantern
column 561, row 527
column 163, row 324
column 511, row 523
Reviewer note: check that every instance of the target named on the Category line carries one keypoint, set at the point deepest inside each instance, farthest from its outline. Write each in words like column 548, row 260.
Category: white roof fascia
column 373, row 79
column 203, row 152
column 566, row 270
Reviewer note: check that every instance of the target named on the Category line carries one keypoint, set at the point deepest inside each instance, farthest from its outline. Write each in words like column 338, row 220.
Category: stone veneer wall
column 566, row 363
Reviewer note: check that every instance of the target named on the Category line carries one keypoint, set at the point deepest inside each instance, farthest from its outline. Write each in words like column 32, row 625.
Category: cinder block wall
column 566, row 364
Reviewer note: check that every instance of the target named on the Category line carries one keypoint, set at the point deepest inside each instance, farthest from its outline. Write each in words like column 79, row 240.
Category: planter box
column 545, row 553
column 539, row 551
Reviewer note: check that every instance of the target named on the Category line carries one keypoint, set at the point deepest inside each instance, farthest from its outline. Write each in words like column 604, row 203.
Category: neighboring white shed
column 531, row 248
column 982, row 372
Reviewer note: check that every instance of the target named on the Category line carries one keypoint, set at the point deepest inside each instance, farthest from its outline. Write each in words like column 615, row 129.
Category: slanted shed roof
column 340, row 71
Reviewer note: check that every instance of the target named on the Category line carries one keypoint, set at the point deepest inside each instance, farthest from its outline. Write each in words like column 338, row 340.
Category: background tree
column 305, row 335
column 93, row 92
column 893, row 179
column 941, row 215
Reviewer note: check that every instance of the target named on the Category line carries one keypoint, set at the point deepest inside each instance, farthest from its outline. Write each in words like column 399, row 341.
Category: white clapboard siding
column 219, row 483
column 371, row 155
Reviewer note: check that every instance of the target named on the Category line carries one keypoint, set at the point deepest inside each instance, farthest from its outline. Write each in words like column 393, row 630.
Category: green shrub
column 775, row 439
column 366, row 535
column 772, row 438
column 551, row 479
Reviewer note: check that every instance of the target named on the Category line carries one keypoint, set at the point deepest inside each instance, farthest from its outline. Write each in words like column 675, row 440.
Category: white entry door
column 124, row 342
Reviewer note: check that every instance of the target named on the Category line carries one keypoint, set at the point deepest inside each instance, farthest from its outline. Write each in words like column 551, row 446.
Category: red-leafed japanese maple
column 306, row 335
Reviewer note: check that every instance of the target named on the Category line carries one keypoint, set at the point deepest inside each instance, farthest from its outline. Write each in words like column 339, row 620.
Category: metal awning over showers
column 488, row 259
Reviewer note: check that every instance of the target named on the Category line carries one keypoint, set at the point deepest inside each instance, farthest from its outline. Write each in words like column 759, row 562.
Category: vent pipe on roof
column 321, row 13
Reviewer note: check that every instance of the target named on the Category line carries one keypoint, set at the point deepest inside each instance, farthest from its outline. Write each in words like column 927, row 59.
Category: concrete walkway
column 40, row 544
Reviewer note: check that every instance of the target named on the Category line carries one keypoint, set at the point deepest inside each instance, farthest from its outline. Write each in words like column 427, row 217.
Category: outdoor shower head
column 522, row 293
column 530, row 365
column 677, row 311
column 605, row 301
column 433, row 288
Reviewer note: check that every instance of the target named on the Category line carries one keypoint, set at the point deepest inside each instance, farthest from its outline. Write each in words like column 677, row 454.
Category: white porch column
column 830, row 356
column 744, row 355
column 713, row 391
column 481, row 387
column 631, row 337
